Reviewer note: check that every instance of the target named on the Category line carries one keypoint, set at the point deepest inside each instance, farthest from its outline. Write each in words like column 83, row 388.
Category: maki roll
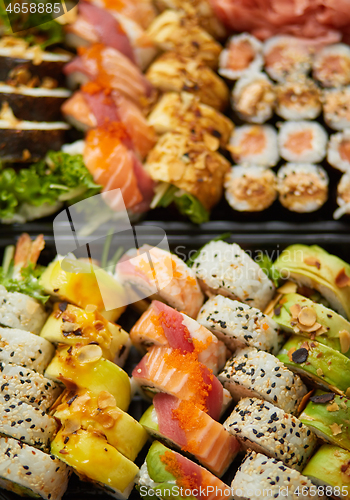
column 336, row 108
column 317, row 363
column 258, row 374
column 240, row 325
column 227, row 270
column 185, row 426
column 166, row 470
column 331, row 66
column 156, row 272
column 253, row 97
column 285, row 56
column 302, row 187
column 338, row 154
column 264, row 428
column 343, row 196
column 20, row 311
column 243, row 53
column 172, row 72
column 259, row 473
column 302, row 142
column 327, row 415
column 27, row 471
column 254, row 145
column 250, row 188
column 298, row 99
column 163, row 326
column 174, row 111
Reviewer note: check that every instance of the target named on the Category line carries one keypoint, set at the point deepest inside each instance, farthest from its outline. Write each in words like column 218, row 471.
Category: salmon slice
column 196, row 432
column 161, row 325
column 140, row 11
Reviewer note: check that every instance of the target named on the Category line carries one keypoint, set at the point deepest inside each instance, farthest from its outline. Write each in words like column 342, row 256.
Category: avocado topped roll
column 165, row 470
column 315, row 268
column 317, row 363
column 328, row 415
column 253, row 373
column 226, row 269
column 295, row 313
column 264, row 428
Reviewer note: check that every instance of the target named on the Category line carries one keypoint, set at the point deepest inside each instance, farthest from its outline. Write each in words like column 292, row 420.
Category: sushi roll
column 174, row 31
column 298, row 99
column 313, row 267
column 264, row 428
column 227, row 270
column 27, row 386
column 166, row 470
column 25, row 349
column 331, row 66
column 243, row 53
column 328, row 469
column 259, row 473
column 185, row 426
column 254, row 145
column 317, row 363
column 302, row 187
column 253, row 97
column 338, row 153
column 26, row 423
column 180, row 374
column 30, row 472
column 327, row 415
column 336, row 108
column 155, row 271
column 96, row 461
column 240, row 325
column 302, row 142
column 285, row 56
column 163, row 326
column 250, row 188
column 174, row 111
column 252, row 373
column 172, row 72
column 343, row 196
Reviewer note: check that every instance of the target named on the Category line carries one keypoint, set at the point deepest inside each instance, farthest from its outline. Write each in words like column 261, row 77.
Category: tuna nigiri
column 161, row 325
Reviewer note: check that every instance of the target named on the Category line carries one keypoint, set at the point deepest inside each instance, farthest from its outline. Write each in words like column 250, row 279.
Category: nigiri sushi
column 141, row 12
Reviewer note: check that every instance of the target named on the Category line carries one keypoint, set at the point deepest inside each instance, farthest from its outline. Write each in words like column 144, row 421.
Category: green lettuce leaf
column 269, row 269
column 29, row 284
column 186, row 203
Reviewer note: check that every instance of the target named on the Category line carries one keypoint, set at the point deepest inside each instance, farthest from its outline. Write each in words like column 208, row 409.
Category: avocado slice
column 336, row 326
column 315, row 268
column 71, row 325
column 317, row 362
column 84, row 284
column 149, row 421
column 82, row 367
column 329, row 418
column 156, row 468
column 330, row 466
column 95, row 460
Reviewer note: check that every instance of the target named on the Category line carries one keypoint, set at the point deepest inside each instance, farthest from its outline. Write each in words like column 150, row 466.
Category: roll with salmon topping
column 302, row 142
column 243, row 53
column 331, row 66
column 298, row 98
column 254, row 145
column 253, row 97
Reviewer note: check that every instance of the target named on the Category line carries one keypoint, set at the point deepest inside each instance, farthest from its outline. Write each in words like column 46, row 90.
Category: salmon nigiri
column 140, row 11
column 161, row 325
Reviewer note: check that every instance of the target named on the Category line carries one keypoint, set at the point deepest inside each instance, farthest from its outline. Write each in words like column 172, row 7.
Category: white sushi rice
column 298, row 99
column 27, row 471
column 227, row 270
column 26, row 423
column 20, row 311
column 250, row 188
column 302, row 187
column 255, row 65
column 253, row 97
column 343, row 196
column 255, row 144
column 336, row 107
column 334, row 156
column 295, row 57
column 28, row 386
column 262, row 477
column 253, row 373
column 331, row 65
column 240, row 325
column 25, row 349
column 296, row 145
column 264, row 428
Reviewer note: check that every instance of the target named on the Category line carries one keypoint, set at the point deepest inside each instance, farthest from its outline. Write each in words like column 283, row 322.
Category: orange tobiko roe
column 173, row 466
